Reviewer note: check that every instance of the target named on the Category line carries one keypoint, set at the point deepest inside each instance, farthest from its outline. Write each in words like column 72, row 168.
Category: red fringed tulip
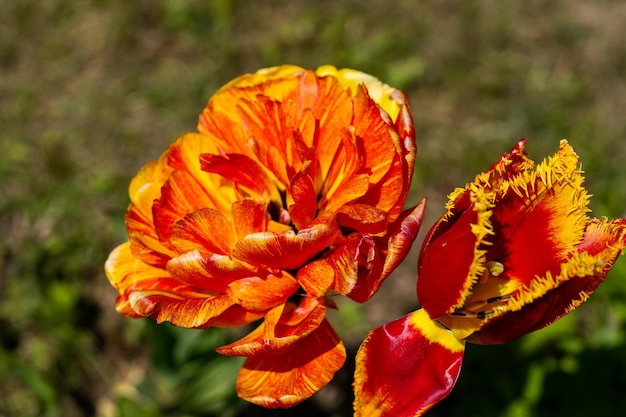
column 514, row 252
column 292, row 190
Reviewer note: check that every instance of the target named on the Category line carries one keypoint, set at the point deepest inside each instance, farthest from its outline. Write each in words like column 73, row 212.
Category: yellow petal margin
column 405, row 367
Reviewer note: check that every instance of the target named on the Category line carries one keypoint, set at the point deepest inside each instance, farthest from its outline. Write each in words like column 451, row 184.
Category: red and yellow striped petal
column 452, row 258
column 405, row 367
column 551, row 296
column 541, row 217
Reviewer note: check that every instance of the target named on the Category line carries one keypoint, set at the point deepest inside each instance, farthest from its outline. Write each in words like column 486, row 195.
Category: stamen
column 499, row 298
column 495, row 268
column 483, row 314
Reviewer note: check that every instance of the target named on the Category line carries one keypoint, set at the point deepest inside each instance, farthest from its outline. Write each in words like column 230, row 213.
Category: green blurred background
column 91, row 90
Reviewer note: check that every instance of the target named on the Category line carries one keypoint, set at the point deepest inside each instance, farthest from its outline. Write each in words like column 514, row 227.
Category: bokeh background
column 91, row 90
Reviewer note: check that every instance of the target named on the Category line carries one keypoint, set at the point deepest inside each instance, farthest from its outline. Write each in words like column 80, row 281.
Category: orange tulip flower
column 514, row 252
column 293, row 190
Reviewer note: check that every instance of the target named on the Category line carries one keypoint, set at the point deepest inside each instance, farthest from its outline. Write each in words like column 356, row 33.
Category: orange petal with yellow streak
column 180, row 195
column 316, row 277
column 282, row 380
column 362, row 218
column 181, row 308
column 213, row 272
column 286, row 250
column 405, row 367
column 242, row 170
column 184, row 155
column 249, row 216
column 206, row 230
column 283, row 326
column 303, row 210
column 148, row 291
column 375, row 135
column 261, row 294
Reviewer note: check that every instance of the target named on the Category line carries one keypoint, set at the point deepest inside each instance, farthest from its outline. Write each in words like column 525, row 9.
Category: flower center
column 489, row 294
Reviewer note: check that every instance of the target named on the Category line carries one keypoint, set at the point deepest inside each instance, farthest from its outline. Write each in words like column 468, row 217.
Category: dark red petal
column 405, row 367
column 577, row 279
column 445, row 264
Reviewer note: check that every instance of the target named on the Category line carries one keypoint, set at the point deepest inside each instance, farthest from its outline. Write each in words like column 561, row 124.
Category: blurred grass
column 92, row 90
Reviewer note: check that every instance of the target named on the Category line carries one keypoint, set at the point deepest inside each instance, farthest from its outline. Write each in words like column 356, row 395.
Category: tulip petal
column 206, row 230
column 303, row 209
column 261, row 294
column 405, row 367
column 121, row 268
column 180, row 195
column 249, row 216
column 284, row 325
column 332, row 108
column 541, row 218
column 148, row 291
column 212, row 273
column 401, row 238
column 385, row 96
column 144, row 188
column 550, row 297
column 362, row 218
column 181, row 308
column 184, row 155
column 243, row 171
column 355, row 261
column 286, row 250
column 451, row 259
column 285, row 379
column 346, row 180
column 316, row 277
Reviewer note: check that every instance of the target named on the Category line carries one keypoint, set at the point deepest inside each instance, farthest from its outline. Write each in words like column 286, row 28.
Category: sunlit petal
column 282, row 380
column 205, row 230
column 262, row 293
column 405, row 367
column 287, row 250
